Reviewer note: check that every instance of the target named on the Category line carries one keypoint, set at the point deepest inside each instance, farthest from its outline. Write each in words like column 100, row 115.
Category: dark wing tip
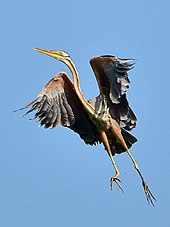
column 107, row 55
column 26, row 106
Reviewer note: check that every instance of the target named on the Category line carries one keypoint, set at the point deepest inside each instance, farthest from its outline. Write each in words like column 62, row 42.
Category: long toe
column 149, row 196
column 117, row 181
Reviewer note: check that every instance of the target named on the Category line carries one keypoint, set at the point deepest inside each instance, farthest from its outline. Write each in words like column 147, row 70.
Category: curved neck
column 77, row 88
column 74, row 72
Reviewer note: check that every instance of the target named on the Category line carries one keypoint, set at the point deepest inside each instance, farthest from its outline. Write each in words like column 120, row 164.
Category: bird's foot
column 149, row 196
column 117, row 181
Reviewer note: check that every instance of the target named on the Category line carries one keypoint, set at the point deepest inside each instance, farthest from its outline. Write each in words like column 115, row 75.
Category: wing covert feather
column 111, row 74
column 58, row 104
column 112, row 77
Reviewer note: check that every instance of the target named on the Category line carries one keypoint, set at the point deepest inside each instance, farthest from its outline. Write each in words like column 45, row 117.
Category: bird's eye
column 65, row 54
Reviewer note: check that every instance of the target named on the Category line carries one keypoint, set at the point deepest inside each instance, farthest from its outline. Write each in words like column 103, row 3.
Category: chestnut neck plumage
column 77, row 88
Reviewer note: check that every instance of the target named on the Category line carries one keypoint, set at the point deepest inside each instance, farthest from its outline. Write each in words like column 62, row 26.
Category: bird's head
column 60, row 55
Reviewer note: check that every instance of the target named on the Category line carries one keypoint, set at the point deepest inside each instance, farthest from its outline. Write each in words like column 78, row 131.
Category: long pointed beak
column 43, row 51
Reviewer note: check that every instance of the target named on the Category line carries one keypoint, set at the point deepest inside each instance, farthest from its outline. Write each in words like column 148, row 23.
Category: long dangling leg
column 116, row 131
column 115, row 179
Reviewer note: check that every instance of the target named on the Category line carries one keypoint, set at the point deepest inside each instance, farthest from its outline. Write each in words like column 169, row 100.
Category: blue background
column 50, row 177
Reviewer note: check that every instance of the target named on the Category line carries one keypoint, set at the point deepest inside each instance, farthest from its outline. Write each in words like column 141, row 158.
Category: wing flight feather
column 112, row 77
column 58, row 104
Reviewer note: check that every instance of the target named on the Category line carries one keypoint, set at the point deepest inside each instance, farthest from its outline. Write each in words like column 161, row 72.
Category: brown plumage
column 58, row 104
column 104, row 119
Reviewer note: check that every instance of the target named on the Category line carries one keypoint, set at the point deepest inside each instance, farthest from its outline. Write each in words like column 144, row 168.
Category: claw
column 149, row 196
column 116, row 180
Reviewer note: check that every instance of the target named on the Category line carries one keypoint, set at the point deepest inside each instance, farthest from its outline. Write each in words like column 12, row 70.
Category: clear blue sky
column 50, row 177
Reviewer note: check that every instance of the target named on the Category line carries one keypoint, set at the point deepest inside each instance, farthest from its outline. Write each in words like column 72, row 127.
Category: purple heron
column 104, row 119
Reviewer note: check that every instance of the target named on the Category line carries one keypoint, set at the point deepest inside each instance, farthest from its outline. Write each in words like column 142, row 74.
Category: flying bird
column 104, row 119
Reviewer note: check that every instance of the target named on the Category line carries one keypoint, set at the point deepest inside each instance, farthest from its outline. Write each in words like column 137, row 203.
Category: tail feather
column 129, row 139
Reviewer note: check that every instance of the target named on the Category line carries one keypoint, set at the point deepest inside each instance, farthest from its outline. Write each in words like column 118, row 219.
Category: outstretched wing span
column 112, row 77
column 58, row 104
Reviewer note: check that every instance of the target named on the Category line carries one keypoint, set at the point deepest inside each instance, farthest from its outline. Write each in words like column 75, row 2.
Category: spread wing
column 112, row 77
column 58, row 104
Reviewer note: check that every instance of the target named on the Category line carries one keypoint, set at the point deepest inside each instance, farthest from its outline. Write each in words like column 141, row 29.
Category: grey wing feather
column 112, row 76
column 58, row 104
column 116, row 72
